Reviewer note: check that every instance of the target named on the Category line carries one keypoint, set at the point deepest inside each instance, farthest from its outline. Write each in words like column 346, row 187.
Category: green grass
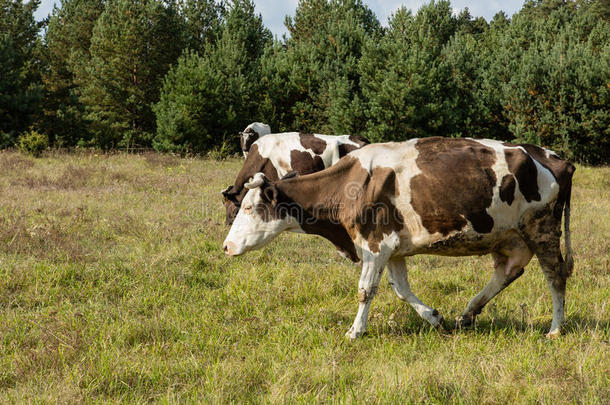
column 114, row 288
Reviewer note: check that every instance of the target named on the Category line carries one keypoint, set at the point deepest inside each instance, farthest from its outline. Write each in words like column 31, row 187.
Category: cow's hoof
column 554, row 334
column 434, row 318
column 437, row 320
column 464, row 321
column 353, row 334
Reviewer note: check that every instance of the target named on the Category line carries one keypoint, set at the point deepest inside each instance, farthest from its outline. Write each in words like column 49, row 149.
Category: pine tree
column 203, row 22
column 20, row 87
column 553, row 66
column 133, row 45
column 67, row 38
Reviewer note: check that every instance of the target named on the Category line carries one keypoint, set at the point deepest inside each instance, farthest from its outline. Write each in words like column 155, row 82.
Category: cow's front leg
column 372, row 269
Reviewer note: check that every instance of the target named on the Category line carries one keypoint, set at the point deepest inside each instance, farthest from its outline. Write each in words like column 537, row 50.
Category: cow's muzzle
column 230, row 249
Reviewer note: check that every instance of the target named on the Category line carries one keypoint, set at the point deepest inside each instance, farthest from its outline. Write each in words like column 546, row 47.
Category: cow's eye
column 248, row 208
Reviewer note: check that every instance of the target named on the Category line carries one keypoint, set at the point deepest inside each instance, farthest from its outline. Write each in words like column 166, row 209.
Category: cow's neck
column 320, row 194
column 255, row 163
column 318, row 199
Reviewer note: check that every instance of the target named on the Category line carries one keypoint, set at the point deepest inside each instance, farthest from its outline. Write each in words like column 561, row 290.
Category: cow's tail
column 569, row 262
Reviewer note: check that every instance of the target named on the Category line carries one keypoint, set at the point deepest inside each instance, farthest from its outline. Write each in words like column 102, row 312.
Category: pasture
column 114, row 287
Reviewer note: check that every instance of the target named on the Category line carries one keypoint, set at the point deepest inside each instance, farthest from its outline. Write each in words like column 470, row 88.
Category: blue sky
column 274, row 11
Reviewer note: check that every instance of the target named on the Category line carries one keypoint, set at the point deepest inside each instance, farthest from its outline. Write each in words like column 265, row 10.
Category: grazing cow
column 452, row 197
column 275, row 155
column 252, row 132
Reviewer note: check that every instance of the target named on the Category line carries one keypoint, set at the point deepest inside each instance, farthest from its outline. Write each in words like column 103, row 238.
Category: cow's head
column 260, row 218
column 248, row 137
column 252, row 132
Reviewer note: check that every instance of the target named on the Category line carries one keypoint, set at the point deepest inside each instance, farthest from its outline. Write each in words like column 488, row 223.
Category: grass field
column 114, row 287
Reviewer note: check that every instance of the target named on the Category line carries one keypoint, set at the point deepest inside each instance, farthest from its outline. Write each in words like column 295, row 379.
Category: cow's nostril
column 229, row 248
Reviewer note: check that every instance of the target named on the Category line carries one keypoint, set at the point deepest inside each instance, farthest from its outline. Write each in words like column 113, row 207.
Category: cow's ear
column 270, row 194
column 360, row 140
column 256, row 181
column 290, row 175
column 227, row 191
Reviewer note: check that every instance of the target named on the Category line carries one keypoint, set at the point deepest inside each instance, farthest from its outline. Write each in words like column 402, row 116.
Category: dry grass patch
column 13, row 161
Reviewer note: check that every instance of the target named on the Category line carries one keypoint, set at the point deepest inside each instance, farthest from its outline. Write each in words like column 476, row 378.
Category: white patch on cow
column 260, row 128
column 547, row 184
column 398, row 278
column 504, row 215
column 373, row 264
column 391, row 154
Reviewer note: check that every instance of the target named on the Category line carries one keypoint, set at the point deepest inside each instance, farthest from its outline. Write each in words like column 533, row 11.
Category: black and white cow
column 276, row 155
column 453, row 197
column 252, row 132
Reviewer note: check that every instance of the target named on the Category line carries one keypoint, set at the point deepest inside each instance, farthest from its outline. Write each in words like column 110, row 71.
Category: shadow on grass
column 506, row 325
column 573, row 325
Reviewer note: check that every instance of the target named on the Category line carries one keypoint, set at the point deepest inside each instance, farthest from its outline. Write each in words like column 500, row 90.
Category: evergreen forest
column 186, row 76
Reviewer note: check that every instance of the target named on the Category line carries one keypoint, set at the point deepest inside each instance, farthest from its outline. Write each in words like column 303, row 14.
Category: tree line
column 187, row 75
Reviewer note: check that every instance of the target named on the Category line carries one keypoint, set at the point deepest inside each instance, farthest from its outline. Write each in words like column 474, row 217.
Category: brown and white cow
column 453, row 197
column 275, row 155
column 251, row 134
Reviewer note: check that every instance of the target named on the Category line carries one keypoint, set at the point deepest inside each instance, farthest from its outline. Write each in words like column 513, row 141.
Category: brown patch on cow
column 346, row 148
column 377, row 215
column 234, row 195
column 524, row 169
column 312, row 142
column 556, row 165
column 456, row 184
column 507, row 189
column 335, row 233
column 304, row 163
column 313, row 219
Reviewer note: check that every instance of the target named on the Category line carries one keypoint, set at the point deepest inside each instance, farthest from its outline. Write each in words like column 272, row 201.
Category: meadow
column 114, row 288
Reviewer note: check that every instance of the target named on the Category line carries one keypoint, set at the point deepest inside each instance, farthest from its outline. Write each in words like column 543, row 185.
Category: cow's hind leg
column 397, row 273
column 544, row 233
column 508, row 266
column 552, row 267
